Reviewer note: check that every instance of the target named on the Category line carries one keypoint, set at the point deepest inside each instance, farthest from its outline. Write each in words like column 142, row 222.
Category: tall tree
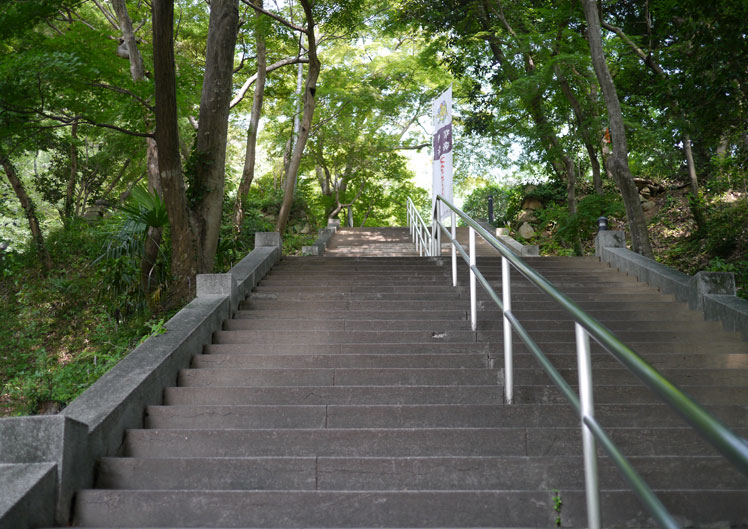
column 209, row 156
column 249, row 159
column 310, row 89
column 618, row 160
column 184, row 244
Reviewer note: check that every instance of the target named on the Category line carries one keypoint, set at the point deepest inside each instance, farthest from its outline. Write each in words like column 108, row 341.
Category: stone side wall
column 713, row 293
column 45, row 459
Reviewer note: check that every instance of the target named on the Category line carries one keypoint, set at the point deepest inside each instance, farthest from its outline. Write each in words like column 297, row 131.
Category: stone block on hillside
column 526, row 231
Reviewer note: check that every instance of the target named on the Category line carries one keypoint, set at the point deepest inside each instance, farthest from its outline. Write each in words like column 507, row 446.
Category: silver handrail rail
column 420, row 232
column 733, row 447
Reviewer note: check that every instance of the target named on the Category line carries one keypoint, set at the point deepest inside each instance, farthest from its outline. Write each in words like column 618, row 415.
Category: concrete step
column 342, row 377
column 296, row 509
column 341, row 361
column 519, row 304
column 517, row 288
column 404, row 442
column 643, row 349
column 442, row 296
column 633, row 394
column 620, row 376
column 437, row 334
column 417, row 416
column 407, row 473
column 343, row 324
column 289, row 395
column 678, row 314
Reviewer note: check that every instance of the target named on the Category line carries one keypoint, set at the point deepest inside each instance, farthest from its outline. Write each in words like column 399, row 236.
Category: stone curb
column 44, row 460
column 712, row 293
column 323, row 237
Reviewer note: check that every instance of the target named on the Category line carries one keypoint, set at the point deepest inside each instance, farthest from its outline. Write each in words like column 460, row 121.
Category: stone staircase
column 352, row 392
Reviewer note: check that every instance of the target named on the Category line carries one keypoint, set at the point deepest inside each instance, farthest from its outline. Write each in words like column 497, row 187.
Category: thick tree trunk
column 210, row 169
column 183, row 240
column 29, row 209
column 618, row 160
column 306, row 121
column 249, row 159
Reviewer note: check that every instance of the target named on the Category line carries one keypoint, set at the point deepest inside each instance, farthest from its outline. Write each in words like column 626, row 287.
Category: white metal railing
column 734, row 448
column 420, row 233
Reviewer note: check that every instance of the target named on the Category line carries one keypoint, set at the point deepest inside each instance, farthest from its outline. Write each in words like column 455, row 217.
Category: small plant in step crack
column 557, row 504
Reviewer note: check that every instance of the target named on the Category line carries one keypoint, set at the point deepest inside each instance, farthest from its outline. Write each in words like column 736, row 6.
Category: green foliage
column 59, row 333
column 566, row 228
column 506, row 203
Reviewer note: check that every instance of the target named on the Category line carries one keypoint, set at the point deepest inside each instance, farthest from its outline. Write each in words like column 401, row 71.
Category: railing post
column 420, row 241
column 437, row 241
column 586, row 401
column 473, row 300
column 454, row 249
column 506, row 294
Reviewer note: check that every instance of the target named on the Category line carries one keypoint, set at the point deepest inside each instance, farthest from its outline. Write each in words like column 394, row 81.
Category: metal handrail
column 420, row 232
column 733, row 447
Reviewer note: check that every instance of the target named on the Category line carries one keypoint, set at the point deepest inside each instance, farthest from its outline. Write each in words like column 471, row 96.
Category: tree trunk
column 29, row 209
column 249, row 159
column 584, row 128
column 209, row 177
column 152, row 243
column 695, row 202
column 128, row 34
column 306, row 121
column 183, row 240
column 571, row 200
column 73, row 178
column 618, row 160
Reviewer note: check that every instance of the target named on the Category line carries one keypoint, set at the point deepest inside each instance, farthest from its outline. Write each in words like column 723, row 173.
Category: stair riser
column 342, row 377
column 438, row 335
column 431, row 416
column 340, row 361
column 484, row 442
column 476, row 473
column 323, row 395
column 380, row 509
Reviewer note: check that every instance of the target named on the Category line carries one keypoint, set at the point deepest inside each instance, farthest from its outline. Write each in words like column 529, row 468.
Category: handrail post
column 506, row 294
column 473, row 300
column 454, row 249
column 586, row 401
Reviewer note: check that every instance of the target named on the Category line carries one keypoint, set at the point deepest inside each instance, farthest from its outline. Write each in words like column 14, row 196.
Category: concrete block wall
column 713, row 293
column 45, row 459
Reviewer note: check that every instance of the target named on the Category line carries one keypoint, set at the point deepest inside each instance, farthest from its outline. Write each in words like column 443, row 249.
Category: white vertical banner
column 442, row 168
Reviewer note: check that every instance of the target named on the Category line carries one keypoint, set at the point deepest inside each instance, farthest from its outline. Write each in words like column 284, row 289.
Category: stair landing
column 371, row 242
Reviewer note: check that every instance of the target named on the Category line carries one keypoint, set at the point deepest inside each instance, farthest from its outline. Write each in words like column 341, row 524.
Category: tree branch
column 636, row 49
column 243, row 90
column 275, row 17
column 126, row 92
column 110, row 18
